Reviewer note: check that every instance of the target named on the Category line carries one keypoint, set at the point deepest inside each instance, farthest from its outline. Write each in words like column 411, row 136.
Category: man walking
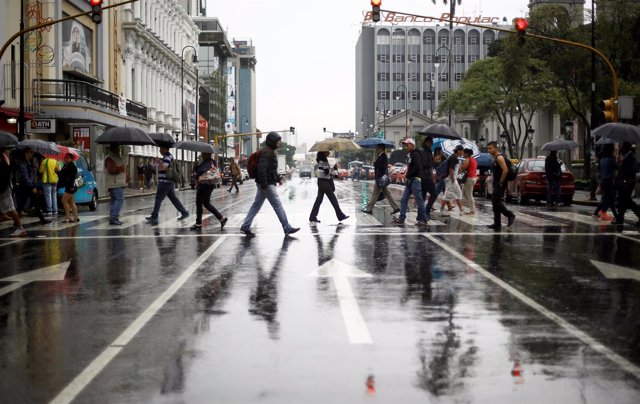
column 414, row 172
column 499, row 172
column 166, row 188
column 266, row 181
column 625, row 183
column 427, row 184
column 235, row 175
column 116, row 181
column 6, row 199
column 381, row 168
column 27, row 190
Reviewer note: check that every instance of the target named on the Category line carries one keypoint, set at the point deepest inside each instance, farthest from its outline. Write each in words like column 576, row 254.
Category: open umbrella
column 559, row 144
column 7, row 139
column 622, row 132
column 449, row 145
column 606, row 140
column 195, row 146
column 373, row 142
column 484, row 160
column 39, row 146
column 162, row 139
column 334, row 144
column 62, row 151
column 439, row 130
column 125, row 135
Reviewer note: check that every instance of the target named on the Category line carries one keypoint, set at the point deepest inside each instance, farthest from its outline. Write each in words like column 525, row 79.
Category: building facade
column 243, row 66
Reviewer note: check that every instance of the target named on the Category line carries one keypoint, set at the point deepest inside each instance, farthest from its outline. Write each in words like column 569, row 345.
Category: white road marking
column 71, row 391
column 52, row 273
column 12, row 242
column 357, row 329
column 474, row 220
column 24, row 220
column 127, row 222
column 571, row 329
column 611, row 271
column 59, row 224
column 576, row 217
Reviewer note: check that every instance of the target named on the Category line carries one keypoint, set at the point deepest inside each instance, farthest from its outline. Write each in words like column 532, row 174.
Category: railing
column 80, row 91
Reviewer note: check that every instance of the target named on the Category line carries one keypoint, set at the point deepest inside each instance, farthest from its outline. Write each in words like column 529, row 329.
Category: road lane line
column 571, row 329
column 71, row 391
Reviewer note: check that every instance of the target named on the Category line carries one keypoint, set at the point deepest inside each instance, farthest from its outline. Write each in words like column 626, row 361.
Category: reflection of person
column 76, row 52
column 326, row 187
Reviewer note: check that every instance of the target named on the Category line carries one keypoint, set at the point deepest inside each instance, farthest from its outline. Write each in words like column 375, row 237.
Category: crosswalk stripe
column 127, row 222
column 60, row 225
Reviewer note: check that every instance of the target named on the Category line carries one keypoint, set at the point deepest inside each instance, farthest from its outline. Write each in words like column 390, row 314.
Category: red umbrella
column 63, row 151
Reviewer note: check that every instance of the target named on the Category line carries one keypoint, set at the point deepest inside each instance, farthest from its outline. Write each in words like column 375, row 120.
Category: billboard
column 77, row 47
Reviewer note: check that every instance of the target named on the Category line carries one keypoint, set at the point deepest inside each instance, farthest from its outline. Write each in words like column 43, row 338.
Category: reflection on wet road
column 547, row 311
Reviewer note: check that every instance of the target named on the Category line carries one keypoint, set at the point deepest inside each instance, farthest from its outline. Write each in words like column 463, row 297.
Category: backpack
column 172, row 173
column 511, row 170
column 252, row 164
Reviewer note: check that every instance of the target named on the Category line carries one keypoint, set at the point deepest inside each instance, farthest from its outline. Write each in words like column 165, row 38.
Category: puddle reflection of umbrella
column 39, row 146
column 162, row 139
column 621, row 132
column 439, row 130
column 7, row 139
column 559, row 144
column 373, row 142
column 195, row 146
column 335, row 144
column 125, row 135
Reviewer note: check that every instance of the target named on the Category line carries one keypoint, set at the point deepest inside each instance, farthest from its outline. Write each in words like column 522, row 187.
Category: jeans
column 499, row 208
column 234, row 183
column 413, row 187
column 117, row 200
column 440, row 185
column 326, row 187
column 553, row 185
column 167, row 189
column 203, row 199
column 51, row 197
column 271, row 194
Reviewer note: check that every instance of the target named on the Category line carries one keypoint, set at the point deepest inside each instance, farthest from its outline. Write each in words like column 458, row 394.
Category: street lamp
column 384, row 118
column 503, row 140
column 437, row 64
column 194, row 59
column 568, row 127
column 231, row 94
column 362, row 122
column 530, row 133
column 406, row 111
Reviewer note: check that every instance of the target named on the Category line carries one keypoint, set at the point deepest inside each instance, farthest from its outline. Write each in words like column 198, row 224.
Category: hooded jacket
column 267, row 172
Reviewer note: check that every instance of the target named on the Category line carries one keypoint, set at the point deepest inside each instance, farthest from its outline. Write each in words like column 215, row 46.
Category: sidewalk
column 582, row 198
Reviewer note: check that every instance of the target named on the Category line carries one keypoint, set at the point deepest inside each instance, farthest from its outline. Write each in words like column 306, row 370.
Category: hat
column 409, row 141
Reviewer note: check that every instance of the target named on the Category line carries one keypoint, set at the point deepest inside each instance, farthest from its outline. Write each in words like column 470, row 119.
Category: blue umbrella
column 484, row 160
column 372, row 142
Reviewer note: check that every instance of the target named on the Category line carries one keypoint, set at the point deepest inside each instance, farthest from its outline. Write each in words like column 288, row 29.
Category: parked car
column 343, row 173
column 88, row 193
column 225, row 175
column 367, row 173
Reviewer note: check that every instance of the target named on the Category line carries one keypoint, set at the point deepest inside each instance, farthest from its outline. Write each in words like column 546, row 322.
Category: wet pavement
column 545, row 311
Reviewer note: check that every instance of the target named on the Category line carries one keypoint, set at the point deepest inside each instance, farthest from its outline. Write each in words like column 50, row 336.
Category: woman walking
column 607, row 177
column 381, row 168
column 67, row 178
column 206, row 184
column 325, row 187
column 470, row 165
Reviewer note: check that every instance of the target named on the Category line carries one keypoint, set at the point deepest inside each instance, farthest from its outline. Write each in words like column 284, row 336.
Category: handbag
column 210, row 177
column 78, row 182
column 383, row 181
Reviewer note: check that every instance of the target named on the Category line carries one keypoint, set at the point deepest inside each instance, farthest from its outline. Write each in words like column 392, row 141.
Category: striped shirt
column 167, row 160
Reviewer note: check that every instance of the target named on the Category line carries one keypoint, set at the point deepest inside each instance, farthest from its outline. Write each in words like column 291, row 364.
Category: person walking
column 380, row 168
column 625, row 183
column 442, row 171
column 27, row 191
column 204, row 189
column 452, row 191
column 235, row 175
column 6, row 198
column 325, row 174
column 499, row 172
column 166, row 188
column 553, row 171
column 68, row 176
column 140, row 172
column 607, row 177
column 149, row 170
column 266, row 181
column 427, row 184
column 116, row 181
column 414, row 171
column 470, row 168
column 49, row 170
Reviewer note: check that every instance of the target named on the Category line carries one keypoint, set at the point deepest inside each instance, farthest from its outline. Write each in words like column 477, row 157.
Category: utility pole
column 22, row 79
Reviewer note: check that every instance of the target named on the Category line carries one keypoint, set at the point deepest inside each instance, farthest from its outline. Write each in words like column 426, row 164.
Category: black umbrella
column 7, row 139
column 39, row 146
column 622, row 132
column 373, row 142
column 439, row 130
column 559, row 144
column 195, row 146
column 125, row 135
column 162, row 139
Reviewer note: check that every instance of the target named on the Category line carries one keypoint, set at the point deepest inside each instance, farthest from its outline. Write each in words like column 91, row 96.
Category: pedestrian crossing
column 127, row 222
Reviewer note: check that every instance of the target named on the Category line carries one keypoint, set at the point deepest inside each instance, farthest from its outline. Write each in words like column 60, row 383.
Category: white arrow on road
column 612, row 271
column 340, row 272
column 52, row 273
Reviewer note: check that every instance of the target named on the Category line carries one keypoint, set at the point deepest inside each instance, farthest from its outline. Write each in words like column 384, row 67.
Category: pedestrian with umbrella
column 325, row 174
column 428, row 186
column 381, row 184
column 68, row 175
column 625, row 183
column 8, row 142
column 607, row 176
column 168, row 177
column 26, row 189
column 414, row 171
column 116, row 181
column 553, row 172
column 208, row 177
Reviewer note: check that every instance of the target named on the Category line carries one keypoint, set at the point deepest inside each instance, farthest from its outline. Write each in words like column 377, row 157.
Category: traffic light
column 292, row 129
column 610, row 109
column 375, row 10
column 521, row 30
column 96, row 11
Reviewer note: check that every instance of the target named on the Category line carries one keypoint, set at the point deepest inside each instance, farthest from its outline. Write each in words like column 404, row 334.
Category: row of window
column 398, row 58
column 416, row 76
column 429, row 40
column 413, row 95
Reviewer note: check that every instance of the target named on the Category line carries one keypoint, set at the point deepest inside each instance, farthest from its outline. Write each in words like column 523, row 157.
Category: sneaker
column 196, row 227
column 314, row 221
column 397, row 220
column 421, row 223
column 247, row 232
column 512, row 219
column 153, row 222
column 604, row 216
column 115, row 222
column 19, row 232
column 368, row 212
column 495, row 226
column 393, row 212
column 184, row 216
column 228, row 190
column 292, row 230
column 150, row 218
column 223, row 222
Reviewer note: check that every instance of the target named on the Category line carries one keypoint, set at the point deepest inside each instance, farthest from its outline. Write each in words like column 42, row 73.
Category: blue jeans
column 271, row 194
column 167, row 189
column 414, row 187
column 51, row 196
column 117, row 200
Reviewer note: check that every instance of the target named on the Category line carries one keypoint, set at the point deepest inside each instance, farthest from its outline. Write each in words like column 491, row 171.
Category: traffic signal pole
column 217, row 138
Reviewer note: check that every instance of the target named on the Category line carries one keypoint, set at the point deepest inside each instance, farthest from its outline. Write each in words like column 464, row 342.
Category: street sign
column 41, row 126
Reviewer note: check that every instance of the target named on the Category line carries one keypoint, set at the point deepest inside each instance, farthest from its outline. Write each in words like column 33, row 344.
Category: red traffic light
column 376, row 3
column 95, row 2
column 521, row 24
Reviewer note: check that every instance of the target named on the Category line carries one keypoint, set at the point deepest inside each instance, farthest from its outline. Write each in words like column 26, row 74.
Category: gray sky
column 306, row 54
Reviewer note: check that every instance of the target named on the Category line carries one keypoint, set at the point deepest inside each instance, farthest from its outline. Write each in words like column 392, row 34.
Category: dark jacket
column 627, row 169
column 414, row 163
column 267, row 172
column 27, row 174
column 381, row 165
column 552, row 167
column 427, row 162
column 67, row 176
column 5, row 174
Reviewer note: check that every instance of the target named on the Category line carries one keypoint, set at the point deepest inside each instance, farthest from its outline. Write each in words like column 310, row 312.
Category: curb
column 136, row 195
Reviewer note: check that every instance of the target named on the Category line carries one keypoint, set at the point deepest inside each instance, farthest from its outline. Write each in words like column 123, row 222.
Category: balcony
column 82, row 92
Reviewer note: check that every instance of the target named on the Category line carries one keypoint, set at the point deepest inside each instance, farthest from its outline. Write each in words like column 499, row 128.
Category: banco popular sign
column 395, row 18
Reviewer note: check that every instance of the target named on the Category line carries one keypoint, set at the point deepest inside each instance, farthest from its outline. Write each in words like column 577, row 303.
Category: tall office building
column 244, row 67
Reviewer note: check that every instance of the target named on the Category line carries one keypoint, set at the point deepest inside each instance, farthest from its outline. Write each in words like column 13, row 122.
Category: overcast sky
column 306, row 54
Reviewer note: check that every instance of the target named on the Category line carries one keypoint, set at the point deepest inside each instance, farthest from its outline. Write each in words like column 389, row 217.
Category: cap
column 409, row 141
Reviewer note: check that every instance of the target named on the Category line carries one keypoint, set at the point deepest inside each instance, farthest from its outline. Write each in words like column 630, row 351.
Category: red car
column 531, row 182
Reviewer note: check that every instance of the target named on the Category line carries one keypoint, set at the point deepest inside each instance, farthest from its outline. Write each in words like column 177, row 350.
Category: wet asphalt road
column 546, row 311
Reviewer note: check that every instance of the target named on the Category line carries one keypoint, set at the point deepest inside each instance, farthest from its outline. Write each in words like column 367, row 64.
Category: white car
column 244, row 173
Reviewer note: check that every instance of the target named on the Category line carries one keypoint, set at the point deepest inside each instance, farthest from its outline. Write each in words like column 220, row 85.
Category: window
column 384, row 76
column 414, row 95
column 473, row 40
column 383, row 58
column 427, row 95
column 488, row 40
column 443, row 77
column 398, row 95
column 458, row 76
column 413, row 58
column 444, row 40
column 383, row 95
column 459, row 58
column 426, row 77
column 473, row 58
column 398, row 76
column 428, row 58
column 457, row 40
column 427, row 40
column 413, row 76
column 398, row 58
